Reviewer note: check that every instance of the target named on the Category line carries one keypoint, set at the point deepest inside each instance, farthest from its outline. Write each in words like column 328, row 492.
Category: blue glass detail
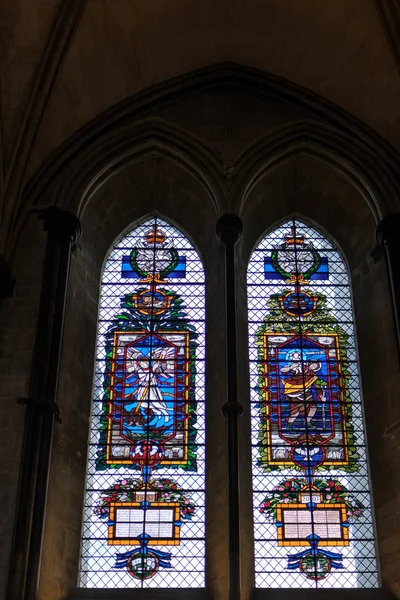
column 178, row 273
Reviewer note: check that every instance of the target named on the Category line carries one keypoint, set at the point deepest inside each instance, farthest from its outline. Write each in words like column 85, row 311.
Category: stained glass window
column 144, row 510
column 312, row 508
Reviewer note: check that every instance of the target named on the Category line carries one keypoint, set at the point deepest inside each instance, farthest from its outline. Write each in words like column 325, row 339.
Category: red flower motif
column 266, row 504
column 287, row 483
column 339, row 487
column 174, row 487
column 331, row 483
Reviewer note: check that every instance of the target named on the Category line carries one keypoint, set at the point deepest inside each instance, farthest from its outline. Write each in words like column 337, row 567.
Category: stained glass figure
column 312, row 507
column 147, row 530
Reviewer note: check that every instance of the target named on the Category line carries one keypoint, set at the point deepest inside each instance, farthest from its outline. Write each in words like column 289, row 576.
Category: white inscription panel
column 156, row 522
column 299, row 524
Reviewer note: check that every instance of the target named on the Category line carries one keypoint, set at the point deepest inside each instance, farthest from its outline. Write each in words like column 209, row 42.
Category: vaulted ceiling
column 63, row 62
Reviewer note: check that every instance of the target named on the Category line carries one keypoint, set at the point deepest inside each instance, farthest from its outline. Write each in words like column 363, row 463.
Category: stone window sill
column 323, row 594
column 259, row 594
column 141, row 594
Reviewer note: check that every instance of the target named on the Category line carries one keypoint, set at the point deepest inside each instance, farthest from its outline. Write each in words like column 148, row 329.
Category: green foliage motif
column 320, row 321
column 332, row 492
column 166, row 491
column 132, row 320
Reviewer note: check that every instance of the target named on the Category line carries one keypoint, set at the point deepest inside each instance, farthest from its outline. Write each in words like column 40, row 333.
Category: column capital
column 388, row 230
column 61, row 224
column 232, row 407
column 229, row 228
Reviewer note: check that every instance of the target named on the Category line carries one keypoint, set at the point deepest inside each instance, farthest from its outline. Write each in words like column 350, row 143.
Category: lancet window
column 144, row 510
column 312, row 508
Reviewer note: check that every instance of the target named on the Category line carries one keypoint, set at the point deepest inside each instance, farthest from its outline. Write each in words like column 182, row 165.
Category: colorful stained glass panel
column 312, row 508
column 144, row 510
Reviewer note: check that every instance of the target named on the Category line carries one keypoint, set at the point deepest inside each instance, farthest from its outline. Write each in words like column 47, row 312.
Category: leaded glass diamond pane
column 144, row 511
column 312, row 508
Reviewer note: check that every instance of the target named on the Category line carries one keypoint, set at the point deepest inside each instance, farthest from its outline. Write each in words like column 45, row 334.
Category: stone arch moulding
column 75, row 181
column 155, row 142
column 99, row 146
column 320, row 142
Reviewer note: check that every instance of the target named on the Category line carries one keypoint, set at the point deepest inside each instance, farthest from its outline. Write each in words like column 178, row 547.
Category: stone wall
column 211, row 171
column 17, row 337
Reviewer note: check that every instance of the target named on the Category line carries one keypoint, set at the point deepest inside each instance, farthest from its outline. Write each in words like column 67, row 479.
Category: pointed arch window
column 312, row 508
column 143, row 520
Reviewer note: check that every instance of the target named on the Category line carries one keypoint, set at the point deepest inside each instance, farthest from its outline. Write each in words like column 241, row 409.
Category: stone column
column 388, row 236
column 63, row 230
column 229, row 230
